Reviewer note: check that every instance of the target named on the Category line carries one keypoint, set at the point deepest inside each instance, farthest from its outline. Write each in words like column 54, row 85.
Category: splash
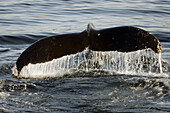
column 138, row 62
column 56, row 67
column 160, row 62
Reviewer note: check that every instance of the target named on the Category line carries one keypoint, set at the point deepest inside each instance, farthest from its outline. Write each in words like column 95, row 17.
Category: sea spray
column 160, row 62
column 138, row 62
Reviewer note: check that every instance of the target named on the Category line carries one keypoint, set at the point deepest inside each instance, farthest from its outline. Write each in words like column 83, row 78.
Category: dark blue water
column 24, row 22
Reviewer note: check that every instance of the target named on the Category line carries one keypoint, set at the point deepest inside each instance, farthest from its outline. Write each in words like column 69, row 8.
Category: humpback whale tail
column 122, row 39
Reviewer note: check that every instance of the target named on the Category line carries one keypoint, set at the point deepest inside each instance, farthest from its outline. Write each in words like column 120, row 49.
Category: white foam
column 4, row 95
column 139, row 62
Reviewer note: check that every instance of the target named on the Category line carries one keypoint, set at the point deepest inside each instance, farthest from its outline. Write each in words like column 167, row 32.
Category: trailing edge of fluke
column 122, row 39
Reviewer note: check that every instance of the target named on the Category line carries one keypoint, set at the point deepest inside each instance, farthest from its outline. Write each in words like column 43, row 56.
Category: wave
column 163, row 36
column 21, row 39
column 5, row 68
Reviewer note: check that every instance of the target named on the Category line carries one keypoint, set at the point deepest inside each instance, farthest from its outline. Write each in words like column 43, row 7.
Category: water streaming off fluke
column 136, row 63
column 160, row 63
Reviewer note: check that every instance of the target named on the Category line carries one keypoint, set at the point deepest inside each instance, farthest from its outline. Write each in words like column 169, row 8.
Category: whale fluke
column 122, row 39
column 51, row 48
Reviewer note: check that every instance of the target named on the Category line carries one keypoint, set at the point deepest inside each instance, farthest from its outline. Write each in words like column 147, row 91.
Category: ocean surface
column 142, row 86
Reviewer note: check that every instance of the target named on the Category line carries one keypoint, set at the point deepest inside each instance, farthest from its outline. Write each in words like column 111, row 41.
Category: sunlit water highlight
column 134, row 63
